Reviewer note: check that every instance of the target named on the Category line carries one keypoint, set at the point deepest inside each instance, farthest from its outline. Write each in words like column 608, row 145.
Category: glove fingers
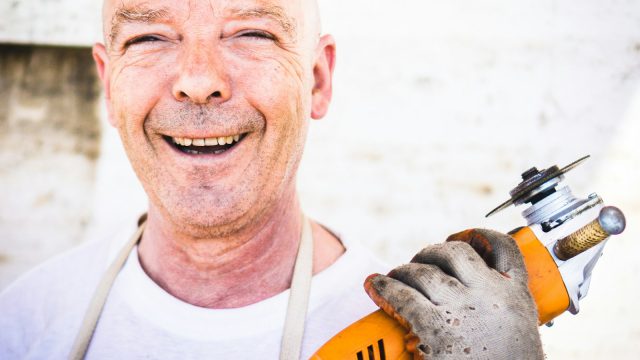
column 456, row 259
column 431, row 281
column 398, row 300
column 498, row 250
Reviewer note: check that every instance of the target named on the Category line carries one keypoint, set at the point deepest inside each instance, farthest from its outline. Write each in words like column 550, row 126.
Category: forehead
column 291, row 10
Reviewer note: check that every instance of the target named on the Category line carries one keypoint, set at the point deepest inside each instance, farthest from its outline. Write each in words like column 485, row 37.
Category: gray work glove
column 459, row 305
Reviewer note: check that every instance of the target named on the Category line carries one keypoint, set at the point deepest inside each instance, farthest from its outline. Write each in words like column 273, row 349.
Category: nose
column 202, row 77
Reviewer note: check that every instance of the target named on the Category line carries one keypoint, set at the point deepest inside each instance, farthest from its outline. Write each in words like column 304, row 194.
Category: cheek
column 135, row 92
column 278, row 88
column 281, row 100
column 136, row 87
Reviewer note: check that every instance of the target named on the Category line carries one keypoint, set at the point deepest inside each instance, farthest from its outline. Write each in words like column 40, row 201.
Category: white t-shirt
column 41, row 312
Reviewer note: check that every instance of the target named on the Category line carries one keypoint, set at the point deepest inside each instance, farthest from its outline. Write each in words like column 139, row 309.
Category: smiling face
column 212, row 100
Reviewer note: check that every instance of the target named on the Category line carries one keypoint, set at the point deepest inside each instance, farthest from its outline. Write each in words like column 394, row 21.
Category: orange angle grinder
column 560, row 245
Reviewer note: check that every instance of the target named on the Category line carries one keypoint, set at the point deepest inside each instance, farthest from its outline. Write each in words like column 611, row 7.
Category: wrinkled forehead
column 294, row 15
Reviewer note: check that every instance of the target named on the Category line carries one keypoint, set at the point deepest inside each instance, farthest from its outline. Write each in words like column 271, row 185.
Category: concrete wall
column 439, row 106
column 49, row 144
column 50, row 22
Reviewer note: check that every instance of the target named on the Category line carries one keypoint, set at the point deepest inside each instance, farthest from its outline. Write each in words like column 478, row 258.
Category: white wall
column 439, row 106
column 50, row 22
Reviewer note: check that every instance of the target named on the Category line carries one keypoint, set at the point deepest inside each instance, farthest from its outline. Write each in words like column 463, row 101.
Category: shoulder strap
column 298, row 297
column 81, row 343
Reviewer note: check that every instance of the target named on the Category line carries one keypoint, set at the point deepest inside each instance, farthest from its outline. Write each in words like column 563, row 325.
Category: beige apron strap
column 81, row 343
column 291, row 345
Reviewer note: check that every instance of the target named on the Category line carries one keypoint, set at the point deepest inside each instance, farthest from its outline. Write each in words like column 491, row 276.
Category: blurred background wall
column 438, row 108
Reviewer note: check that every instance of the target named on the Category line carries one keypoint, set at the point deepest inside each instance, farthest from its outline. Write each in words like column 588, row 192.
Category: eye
column 141, row 39
column 257, row 34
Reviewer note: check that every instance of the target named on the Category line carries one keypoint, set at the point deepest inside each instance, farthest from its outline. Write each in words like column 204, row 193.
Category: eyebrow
column 138, row 13
column 275, row 13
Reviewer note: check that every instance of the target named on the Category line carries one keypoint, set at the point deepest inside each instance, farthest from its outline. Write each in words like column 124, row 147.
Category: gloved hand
column 459, row 305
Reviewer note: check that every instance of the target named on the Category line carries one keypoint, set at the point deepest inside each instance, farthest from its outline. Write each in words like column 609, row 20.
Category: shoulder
column 68, row 272
column 343, row 281
column 337, row 295
column 50, row 296
column 357, row 261
column 64, row 271
column 341, row 284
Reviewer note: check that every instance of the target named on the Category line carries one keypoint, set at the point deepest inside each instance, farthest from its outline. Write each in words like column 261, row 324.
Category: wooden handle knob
column 610, row 221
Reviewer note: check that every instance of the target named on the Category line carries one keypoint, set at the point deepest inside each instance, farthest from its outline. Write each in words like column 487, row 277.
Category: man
column 211, row 99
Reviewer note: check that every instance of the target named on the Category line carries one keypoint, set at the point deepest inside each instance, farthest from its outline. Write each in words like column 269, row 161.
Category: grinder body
column 380, row 335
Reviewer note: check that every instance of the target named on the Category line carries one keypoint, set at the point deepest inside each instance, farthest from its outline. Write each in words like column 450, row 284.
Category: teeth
column 221, row 140
column 211, row 141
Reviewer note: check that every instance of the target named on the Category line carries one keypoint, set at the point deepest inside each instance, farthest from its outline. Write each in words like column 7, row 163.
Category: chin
column 210, row 212
column 215, row 209
column 203, row 221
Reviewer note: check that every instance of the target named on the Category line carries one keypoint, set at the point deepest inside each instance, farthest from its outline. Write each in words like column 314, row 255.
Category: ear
column 101, row 58
column 323, row 77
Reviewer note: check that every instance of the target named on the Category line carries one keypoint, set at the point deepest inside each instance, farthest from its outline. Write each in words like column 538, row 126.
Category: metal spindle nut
column 610, row 221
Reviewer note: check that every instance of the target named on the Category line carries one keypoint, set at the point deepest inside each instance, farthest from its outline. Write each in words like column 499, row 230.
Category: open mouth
column 214, row 145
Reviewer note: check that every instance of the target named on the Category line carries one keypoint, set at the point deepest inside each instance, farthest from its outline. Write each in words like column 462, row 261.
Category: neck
column 236, row 269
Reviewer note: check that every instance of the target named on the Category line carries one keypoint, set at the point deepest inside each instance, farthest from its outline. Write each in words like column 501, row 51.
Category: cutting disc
column 533, row 179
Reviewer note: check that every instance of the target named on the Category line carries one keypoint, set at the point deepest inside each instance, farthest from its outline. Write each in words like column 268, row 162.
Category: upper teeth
column 221, row 140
